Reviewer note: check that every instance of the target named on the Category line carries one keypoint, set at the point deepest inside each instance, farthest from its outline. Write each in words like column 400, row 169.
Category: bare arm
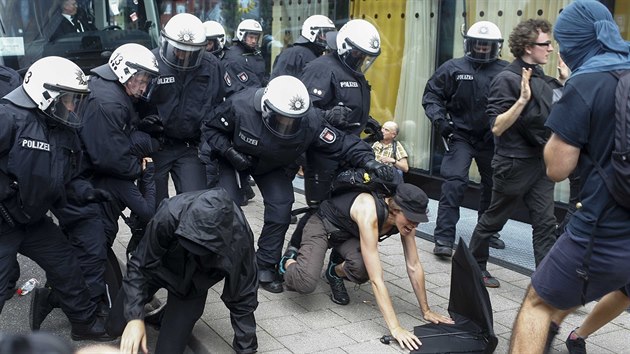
column 505, row 120
column 560, row 158
column 416, row 277
column 363, row 212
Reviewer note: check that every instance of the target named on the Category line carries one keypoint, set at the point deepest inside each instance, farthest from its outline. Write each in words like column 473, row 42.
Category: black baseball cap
column 413, row 202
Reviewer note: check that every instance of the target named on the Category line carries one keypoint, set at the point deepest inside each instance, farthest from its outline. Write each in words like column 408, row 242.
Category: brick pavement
column 294, row 323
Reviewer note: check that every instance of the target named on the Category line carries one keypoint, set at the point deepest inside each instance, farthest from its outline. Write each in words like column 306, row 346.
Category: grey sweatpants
column 303, row 275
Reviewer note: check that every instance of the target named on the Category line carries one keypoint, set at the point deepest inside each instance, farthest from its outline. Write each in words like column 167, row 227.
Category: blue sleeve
column 570, row 117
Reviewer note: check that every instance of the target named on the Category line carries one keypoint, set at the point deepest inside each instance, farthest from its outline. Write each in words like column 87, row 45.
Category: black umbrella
column 469, row 306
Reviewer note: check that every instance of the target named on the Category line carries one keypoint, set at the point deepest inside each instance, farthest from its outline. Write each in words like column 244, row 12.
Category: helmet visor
column 66, row 106
column 141, row 85
column 282, row 126
column 482, row 51
column 181, row 56
column 213, row 45
column 320, row 37
column 358, row 61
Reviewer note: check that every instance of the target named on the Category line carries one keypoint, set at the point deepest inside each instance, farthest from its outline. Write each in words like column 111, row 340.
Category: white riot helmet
column 251, row 27
column 57, row 87
column 182, row 42
column 314, row 30
column 483, row 42
column 215, row 35
column 283, row 103
column 358, row 45
column 134, row 60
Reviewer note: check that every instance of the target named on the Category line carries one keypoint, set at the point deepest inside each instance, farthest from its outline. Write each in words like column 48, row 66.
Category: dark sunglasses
column 543, row 44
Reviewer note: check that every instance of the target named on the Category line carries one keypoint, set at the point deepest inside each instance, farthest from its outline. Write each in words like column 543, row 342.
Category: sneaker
column 575, row 345
column 554, row 329
column 496, row 242
column 339, row 294
column 442, row 251
column 489, row 281
column 40, row 307
column 290, row 253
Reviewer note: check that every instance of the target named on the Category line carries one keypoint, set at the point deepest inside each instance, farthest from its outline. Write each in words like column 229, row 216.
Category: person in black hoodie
column 195, row 240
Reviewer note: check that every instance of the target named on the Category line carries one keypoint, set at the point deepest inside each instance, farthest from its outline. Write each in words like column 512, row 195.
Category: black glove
column 373, row 130
column 95, row 195
column 445, row 128
column 338, row 117
column 239, row 161
column 151, row 124
column 382, row 171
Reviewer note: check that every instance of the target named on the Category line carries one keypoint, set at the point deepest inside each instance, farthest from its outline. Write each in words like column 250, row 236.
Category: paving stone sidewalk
column 294, row 323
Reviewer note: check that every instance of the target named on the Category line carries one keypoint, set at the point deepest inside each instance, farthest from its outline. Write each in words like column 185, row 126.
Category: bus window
column 84, row 31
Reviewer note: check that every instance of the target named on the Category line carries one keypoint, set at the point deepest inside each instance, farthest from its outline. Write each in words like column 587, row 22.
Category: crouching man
column 195, row 240
column 353, row 223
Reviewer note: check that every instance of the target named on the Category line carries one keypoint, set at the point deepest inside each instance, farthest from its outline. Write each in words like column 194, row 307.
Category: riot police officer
column 336, row 82
column 245, row 50
column 455, row 99
column 187, row 90
column 264, row 130
column 238, row 75
column 310, row 44
column 43, row 152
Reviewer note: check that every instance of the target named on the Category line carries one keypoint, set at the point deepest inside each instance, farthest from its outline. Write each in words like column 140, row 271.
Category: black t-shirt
column 585, row 118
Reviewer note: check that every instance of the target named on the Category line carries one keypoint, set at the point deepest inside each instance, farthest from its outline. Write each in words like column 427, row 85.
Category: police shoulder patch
column 228, row 79
column 328, row 136
column 242, row 76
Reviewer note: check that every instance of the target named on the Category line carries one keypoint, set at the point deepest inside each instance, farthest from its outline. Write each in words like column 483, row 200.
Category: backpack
column 619, row 183
column 360, row 180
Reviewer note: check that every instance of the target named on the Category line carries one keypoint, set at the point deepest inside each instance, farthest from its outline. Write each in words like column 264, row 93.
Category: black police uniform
column 238, row 73
column 249, row 58
column 109, row 112
column 182, row 100
column 292, row 60
column 195, row 240
column 330, row 83
column 459, row 89
column 237, row 123
column 37, row 171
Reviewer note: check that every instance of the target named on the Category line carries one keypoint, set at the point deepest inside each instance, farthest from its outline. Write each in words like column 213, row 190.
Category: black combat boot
column 41, row 306
column 93, row 330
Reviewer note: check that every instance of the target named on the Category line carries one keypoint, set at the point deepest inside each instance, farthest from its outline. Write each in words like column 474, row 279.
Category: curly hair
column 525, row 33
